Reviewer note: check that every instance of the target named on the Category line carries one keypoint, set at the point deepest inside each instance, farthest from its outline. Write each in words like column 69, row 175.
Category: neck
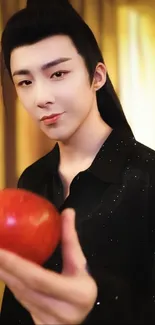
column 86, row 141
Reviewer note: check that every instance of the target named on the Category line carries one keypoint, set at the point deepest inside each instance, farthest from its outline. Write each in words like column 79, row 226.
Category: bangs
column 27, row 27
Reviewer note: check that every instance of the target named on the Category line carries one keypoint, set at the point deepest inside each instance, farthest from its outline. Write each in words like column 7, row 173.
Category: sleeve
column 143, row 299
column 31, row 180
column 20, row 183
column 151, row 203
column 26, row 179
column 34, row 179
column 149, row 309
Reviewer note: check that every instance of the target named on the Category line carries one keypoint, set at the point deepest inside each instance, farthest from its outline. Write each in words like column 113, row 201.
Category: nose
column 44, row 96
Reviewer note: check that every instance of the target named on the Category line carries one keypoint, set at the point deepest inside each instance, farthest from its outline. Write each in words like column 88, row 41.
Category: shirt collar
column 109, row 161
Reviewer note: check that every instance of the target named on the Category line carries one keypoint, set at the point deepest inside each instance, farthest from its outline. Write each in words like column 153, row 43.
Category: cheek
column 26, row 101
column 83, row 98
column 74, row 94
column 79, row 106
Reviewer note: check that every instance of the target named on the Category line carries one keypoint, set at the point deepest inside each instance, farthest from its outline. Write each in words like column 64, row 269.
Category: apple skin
column 30, row 225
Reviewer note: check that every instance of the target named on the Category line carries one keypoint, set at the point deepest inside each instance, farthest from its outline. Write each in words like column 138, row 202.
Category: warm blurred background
column 125, row 30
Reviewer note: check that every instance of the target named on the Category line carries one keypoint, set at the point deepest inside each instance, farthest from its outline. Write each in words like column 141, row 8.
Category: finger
column 39, row 316
column 33, row 301
column 38, row 321
column 74, row 261
column 41, row 280
column 11, row 281
column 47, row 308
column 43, row 307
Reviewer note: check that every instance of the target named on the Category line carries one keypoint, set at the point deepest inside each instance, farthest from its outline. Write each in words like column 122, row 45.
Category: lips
column 51, row 119
column 52, row 116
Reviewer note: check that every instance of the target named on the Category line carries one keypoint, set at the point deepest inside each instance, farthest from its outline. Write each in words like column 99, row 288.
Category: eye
column 58, row 74
column 25, row 83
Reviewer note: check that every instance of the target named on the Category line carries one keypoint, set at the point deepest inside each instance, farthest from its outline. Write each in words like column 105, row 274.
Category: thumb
column 74, row 261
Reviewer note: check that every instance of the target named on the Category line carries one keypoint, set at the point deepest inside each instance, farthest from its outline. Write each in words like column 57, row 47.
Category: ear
column 99, row 76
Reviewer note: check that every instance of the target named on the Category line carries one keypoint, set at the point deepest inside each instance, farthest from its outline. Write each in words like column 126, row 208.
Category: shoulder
column 141, row 165
column 147, row 165
column 36, row 174
column 141, row 172
column 143, row 157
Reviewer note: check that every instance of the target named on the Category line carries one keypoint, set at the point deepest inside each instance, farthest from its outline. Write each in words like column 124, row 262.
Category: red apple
column 30, row 225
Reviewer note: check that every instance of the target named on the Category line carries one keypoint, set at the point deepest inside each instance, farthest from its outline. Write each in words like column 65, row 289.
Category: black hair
column 42, row 19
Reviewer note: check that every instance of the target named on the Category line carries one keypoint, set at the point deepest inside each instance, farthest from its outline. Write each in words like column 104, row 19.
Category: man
column 105, row 274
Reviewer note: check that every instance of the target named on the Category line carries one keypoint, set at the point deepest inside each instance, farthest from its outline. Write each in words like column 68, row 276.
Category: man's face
column 51, row 79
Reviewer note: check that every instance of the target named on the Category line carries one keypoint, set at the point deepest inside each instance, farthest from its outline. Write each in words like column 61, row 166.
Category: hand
column 53, row 298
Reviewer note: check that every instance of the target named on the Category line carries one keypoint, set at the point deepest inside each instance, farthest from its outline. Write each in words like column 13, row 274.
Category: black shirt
column 114, row 201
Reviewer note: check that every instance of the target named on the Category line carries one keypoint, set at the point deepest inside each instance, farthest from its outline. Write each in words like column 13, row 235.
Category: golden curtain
column 125, row 30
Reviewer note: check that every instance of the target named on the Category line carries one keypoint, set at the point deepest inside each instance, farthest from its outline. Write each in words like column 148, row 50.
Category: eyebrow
column 44, row 67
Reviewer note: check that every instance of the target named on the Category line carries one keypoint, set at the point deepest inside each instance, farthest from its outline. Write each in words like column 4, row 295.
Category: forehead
column 43, row 51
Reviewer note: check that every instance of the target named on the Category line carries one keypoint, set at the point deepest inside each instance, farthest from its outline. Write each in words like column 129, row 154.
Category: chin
column 58, row 134
column 58, row 137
